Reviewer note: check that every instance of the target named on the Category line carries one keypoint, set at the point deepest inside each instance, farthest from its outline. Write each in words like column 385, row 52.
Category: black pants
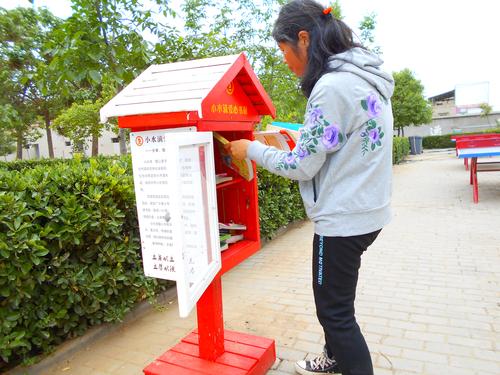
column 336, row 261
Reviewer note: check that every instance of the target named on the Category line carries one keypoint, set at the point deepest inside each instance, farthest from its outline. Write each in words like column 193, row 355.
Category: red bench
column 455, row 138
column 474, row 148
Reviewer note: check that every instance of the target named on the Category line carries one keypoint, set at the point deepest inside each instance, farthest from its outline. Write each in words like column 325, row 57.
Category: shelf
column 235, row 181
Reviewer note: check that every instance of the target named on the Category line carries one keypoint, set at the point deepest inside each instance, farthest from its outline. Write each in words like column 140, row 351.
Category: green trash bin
column 416, row 145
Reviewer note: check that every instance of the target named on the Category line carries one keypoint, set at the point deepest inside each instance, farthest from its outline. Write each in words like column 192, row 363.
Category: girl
column 343, row 162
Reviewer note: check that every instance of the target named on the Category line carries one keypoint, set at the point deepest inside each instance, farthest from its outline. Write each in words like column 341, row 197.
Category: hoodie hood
column 366, row 65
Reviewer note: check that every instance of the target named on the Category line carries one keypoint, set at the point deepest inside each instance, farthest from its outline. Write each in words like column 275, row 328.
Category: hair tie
column 327, row 11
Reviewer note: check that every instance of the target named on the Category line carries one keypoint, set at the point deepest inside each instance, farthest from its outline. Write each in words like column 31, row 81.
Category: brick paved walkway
column 428, row 298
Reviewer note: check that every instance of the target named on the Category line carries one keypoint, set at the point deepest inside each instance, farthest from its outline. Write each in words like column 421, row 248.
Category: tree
column 245, row 27
column 103, row 42
column 48, row 99
column 79, row 122
column 23, row 32
column 409, row 106
column 367, row 28
column 7, row 144
column 485, row 111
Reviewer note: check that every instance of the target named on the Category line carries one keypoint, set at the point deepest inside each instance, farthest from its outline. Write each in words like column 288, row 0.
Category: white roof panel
column 174, row 87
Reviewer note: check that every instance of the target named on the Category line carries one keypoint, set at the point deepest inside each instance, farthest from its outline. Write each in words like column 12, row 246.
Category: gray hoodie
column 343, row 157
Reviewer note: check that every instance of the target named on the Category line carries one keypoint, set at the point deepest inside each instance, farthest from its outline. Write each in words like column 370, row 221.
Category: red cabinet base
column 243, row 355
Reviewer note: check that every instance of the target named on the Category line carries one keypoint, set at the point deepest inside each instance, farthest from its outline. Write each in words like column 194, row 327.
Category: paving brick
column 276, row 364
column 310, row 336
column 488, row 355
column 446, row 348
column 439, row 369
column 448, row 330
column 101, row 363
column 425, row 336
column 427, row 319
column 466, row 362
column 372, row 338
column 290, row 354
column 471, row 343
column 425, row 356
column 287, row 366
column 385, row 350
column 128, row 369
column 381, row 371
column 407, row 365
column 403, row 343
column 406, row 325
column 469, row 323
column 309, row 347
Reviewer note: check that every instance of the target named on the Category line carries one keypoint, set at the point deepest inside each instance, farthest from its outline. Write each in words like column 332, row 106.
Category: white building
column 108, row 145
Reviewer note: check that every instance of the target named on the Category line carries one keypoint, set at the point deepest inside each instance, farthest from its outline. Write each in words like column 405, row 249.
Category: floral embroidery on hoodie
column 317, row 129
column 372, row 134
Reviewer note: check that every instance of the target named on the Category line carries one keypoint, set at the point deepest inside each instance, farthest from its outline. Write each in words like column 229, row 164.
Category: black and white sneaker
column 319, row 365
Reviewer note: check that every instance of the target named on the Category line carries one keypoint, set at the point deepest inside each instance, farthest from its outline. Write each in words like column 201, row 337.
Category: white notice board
column 174, row 178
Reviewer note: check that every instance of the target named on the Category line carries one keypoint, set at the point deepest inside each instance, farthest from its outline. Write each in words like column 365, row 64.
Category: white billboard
column 472, row 94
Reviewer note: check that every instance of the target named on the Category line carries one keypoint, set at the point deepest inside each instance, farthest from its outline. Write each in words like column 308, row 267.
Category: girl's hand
column 238, row 149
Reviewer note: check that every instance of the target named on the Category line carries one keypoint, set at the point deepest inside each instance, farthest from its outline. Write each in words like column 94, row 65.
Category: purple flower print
column 302, row 152
column 314, row 115
column 330, row 137
column 290, row 159
column 374, row 135
column 374, row 105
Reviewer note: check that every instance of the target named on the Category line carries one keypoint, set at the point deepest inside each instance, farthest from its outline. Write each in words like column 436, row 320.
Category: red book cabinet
column 221, row 95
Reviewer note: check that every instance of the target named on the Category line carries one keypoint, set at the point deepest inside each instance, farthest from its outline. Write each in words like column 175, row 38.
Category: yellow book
column 243, row 167
column 281, row 139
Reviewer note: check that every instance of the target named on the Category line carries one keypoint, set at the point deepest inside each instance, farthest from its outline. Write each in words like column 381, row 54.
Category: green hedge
column 69, row 253
column 437, row 141
column 444, row 141
column 400, row 149
column 279, row 203
column 19, row 165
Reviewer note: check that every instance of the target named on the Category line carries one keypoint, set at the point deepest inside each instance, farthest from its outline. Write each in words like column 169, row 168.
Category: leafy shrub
column 437, row 141
column 69, row 253
column 19, row 165
column 400, row 149
column 444, row 141
column 279, row 203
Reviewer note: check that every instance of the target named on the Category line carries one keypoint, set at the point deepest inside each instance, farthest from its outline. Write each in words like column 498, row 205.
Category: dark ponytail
column 328, row 36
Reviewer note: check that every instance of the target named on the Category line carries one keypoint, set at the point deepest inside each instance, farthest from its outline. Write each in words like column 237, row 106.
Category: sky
column 446, row 43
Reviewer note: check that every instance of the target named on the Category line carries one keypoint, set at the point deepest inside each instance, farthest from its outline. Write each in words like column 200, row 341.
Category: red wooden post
column 471, row 173
column 210, row 322
column 475, row 192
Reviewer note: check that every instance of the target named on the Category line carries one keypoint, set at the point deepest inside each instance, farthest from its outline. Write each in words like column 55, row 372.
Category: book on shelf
column 234, row 238
column 243, row 167
column 281, row 139
column 225, row 239
column 232, row 226
column 222, row 177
